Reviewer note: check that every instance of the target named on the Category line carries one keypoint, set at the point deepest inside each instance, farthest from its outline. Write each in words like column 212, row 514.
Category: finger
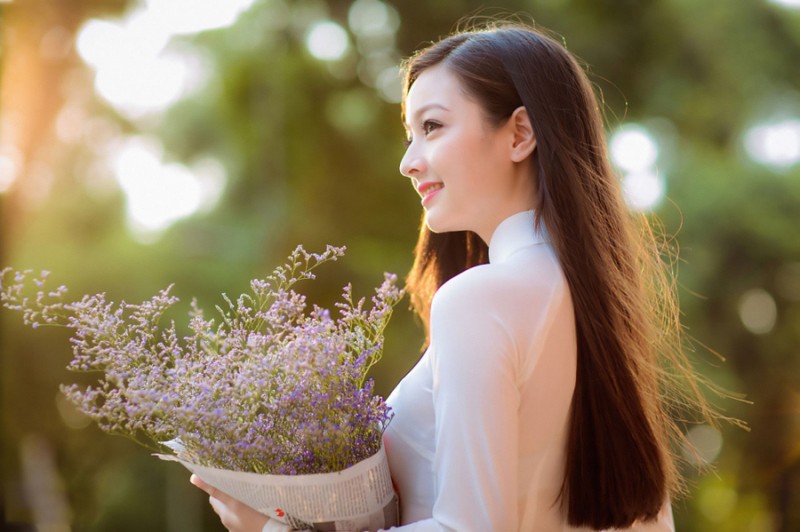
column 227, row 516
column 238, row 517
column 214, row 492
column 234, row 514
column 197, row 481
column 208, row 488
column 218, row 506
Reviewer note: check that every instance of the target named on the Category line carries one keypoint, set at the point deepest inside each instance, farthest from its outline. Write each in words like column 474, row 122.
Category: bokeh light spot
column 389, row 84
column 633, row 148
column 372, row 17
column 327, row 41
column 643, row 191
column 758, row 311
column 56, row 43
column 794, row 4
column 137, row 72
column 70, row 415
column 96, row 40
column 707, row 443
column 159, row 194
column 191, row 16
column 10, row 159
column 145, row 85
column 775, row 144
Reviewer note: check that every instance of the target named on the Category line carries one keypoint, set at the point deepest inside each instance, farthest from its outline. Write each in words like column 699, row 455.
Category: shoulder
column 530, row 280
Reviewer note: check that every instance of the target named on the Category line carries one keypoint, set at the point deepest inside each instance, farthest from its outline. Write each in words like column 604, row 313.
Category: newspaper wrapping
column 358, row 498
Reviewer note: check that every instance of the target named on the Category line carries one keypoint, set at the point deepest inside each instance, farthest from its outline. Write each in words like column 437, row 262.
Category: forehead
column 435, row 85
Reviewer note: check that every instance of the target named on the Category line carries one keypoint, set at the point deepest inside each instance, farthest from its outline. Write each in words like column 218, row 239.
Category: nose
column 412, row 164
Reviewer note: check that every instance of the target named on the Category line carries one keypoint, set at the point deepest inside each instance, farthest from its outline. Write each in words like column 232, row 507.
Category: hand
column 235, row 515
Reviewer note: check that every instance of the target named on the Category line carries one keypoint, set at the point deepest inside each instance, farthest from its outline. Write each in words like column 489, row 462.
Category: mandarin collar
column 514, row 233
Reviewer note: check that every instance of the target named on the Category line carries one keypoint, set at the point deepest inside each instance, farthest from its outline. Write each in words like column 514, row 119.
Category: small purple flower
column 270, row 387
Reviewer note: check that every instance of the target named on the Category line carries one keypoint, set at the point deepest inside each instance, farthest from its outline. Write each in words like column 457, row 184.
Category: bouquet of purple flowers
column 269, row 386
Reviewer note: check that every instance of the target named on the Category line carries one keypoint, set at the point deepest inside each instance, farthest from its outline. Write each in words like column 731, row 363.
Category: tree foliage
column 310, row 150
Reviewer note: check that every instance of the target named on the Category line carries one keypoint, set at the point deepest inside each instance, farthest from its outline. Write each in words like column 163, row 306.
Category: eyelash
column 428, row 123
column 428, row 126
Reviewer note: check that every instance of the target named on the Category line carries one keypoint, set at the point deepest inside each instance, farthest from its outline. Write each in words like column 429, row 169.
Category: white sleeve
column 276, row 526
column 476, row 404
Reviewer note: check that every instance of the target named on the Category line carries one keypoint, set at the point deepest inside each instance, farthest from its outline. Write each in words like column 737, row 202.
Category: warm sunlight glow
column 191, row 16
column 142, row 85
column 327, row 41
column 137, row 71
column 9, row 167
column 98, row 41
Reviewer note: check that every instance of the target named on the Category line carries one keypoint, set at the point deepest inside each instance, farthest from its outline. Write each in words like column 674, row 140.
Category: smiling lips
column 428, row 190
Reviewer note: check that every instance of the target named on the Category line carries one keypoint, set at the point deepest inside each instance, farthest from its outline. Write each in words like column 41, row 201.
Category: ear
column 524, row 141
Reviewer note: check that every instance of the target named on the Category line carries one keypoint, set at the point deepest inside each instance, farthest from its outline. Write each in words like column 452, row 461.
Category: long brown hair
column 632, row 378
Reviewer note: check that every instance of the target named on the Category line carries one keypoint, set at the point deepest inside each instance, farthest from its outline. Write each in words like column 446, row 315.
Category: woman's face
column 461, row 166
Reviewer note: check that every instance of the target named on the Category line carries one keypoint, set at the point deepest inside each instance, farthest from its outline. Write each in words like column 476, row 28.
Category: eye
column 428, row 126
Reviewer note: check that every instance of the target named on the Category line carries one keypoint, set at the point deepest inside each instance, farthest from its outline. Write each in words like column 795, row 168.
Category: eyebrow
column 425, row 108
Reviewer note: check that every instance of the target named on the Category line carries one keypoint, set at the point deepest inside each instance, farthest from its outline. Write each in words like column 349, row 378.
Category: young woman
column 544, row 400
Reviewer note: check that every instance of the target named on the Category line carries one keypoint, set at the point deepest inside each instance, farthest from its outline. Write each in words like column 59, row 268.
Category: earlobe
column 524, row 139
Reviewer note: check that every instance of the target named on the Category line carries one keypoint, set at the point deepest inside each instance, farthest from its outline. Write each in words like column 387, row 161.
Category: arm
column 476, row 402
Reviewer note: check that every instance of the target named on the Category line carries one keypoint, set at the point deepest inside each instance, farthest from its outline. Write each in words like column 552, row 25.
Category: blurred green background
column 197, row 142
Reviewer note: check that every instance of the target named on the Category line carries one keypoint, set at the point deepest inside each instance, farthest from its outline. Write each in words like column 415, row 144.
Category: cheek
column 477, row 167
column 457, row 157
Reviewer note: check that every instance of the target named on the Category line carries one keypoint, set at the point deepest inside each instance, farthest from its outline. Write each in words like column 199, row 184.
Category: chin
column 433, row 223
column 438, row 223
